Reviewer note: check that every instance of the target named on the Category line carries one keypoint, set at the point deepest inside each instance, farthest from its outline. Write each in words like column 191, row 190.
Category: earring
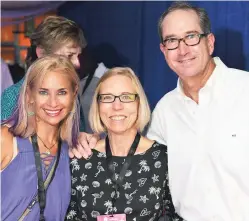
column 73, row 109
column 30, row 113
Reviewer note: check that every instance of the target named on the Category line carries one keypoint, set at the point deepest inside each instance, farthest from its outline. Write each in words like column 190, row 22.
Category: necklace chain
column 49, row 148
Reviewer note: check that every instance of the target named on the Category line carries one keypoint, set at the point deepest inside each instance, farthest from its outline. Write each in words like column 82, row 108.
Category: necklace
column 48, row 148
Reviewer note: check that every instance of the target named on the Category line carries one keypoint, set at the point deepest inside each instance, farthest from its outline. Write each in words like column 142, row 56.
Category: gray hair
column 201, row 12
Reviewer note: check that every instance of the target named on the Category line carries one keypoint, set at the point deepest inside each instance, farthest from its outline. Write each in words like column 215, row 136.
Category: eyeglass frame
column 200, row 36
column 117, row 96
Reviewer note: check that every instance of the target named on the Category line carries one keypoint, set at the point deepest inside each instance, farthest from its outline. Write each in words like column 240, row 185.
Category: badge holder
column 114, row 217
column 117, row 183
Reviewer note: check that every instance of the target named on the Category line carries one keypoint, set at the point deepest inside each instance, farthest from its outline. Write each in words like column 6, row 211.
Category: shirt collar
column 210, row 84
column 101, row 69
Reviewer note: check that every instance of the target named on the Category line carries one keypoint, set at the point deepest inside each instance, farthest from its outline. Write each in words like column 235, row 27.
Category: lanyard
column 82, row 119
column 111, row 171
column 41, row 188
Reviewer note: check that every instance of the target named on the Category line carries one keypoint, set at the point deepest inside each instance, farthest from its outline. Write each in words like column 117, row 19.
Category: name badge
column 114, row 217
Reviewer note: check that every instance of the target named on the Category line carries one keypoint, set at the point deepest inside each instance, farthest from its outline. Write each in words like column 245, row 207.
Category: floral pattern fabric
column 143, row 195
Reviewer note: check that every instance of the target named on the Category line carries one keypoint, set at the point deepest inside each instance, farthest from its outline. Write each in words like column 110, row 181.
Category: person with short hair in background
column 54, row 35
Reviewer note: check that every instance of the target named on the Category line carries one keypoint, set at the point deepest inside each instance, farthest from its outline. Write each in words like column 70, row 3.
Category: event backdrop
column 125, row 34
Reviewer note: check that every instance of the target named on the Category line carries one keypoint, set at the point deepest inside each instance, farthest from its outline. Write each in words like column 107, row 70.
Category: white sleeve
column 157, row 127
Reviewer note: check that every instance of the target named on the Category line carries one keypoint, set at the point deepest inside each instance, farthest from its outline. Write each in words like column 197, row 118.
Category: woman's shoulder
column 6, row 146
column 100, row 146
column 147, row 145
column 6, row 136
column 159, row 145
column 98, row 153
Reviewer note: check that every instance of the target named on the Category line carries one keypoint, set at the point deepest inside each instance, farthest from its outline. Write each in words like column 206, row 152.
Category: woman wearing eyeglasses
column 126, row 177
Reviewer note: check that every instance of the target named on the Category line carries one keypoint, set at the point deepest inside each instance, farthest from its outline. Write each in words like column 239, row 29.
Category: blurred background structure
column 125, row 34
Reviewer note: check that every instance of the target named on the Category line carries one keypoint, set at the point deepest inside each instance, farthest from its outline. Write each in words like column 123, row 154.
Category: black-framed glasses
column 110, row 98
column 190, row 40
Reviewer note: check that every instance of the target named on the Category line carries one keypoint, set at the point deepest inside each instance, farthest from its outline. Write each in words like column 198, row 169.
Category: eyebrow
column 174, row 36
column 73, row 49
column 73, row 53
column 120, row 93
column 46, row 89
column 70, row 52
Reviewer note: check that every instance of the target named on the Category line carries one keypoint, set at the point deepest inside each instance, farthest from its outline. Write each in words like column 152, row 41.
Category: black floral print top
column 143, row 195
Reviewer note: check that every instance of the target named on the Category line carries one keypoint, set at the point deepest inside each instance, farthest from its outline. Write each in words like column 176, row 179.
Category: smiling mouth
column 117, row 118
column 185, row 61
column 52, row 113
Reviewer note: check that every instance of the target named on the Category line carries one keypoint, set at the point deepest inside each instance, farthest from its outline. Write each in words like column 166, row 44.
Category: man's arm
column 86, row 142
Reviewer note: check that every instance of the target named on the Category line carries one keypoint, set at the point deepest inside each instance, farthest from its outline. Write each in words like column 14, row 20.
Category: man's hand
column 86, row 142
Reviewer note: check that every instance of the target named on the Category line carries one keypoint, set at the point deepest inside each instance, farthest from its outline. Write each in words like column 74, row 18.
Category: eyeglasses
column 189, row 40
column 110, row 98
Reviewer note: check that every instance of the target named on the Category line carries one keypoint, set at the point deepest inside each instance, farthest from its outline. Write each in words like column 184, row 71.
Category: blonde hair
column 52, row 33
column 144, row 112
column 24, row 126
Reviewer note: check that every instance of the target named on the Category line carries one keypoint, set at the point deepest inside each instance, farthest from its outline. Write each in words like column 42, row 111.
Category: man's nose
column 76, row 63
column 183, row 48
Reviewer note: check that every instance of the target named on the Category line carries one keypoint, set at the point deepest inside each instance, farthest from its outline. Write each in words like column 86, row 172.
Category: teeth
column 118, row 117
column 185, row 61
column 52, row 112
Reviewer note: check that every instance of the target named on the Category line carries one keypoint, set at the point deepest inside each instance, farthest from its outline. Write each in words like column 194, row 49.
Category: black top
column 141, row 196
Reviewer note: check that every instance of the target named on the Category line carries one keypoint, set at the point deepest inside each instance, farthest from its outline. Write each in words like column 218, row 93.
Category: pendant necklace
column 48, row 148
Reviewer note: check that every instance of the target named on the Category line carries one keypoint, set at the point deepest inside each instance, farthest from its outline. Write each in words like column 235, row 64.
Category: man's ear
column 39, row 52
column 162, row 48
column 211, row 40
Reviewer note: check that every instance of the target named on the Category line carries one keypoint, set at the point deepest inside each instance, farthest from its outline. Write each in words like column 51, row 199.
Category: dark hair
column 201, row 12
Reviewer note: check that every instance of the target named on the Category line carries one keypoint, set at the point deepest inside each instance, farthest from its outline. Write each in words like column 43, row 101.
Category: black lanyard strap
column 111, row 171
column 41, row 189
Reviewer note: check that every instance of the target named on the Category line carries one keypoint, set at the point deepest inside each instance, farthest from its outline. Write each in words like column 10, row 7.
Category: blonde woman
column 126, row 177
column 35, row 139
